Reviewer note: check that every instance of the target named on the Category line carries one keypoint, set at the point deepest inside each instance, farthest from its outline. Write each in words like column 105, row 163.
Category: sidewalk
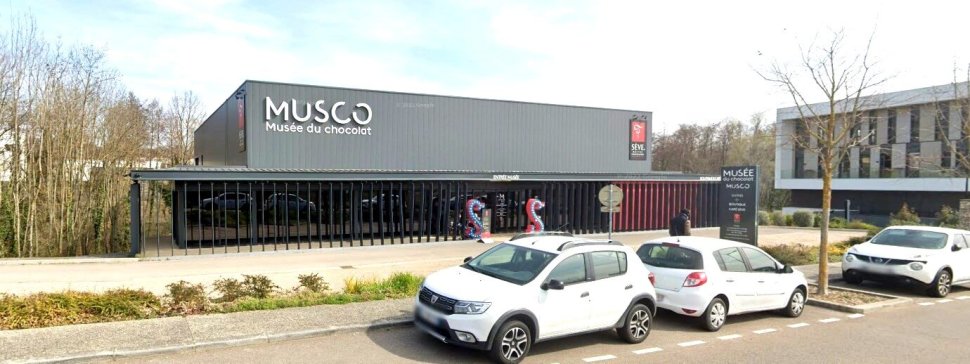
column 334, row 264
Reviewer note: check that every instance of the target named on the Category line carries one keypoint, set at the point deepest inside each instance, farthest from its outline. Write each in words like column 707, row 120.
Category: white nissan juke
column 713, row 278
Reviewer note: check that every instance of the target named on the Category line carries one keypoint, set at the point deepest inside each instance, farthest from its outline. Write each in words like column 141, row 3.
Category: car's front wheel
column 941, row 285
column 852, row 277
column 716, row 315
column 513, row 341
column 636, row 327
column 796, row 303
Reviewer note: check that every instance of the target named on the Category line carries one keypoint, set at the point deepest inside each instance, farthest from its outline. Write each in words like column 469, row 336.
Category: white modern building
column 908, row 149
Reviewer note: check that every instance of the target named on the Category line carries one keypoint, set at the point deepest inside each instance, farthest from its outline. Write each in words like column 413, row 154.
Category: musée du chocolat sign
column 318, row 117
column 738, row 204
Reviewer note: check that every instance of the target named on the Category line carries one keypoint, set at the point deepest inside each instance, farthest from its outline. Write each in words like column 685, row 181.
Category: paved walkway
column 335, row 265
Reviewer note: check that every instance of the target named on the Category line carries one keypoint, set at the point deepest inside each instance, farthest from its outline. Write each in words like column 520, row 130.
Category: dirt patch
column 842, row 297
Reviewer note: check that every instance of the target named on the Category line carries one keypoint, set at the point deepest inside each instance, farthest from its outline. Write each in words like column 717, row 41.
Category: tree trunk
column 823, row 246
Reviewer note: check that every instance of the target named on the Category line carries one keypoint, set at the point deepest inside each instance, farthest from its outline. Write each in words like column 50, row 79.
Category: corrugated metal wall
column 421, row 132
column 216, row 140
column 649, row 205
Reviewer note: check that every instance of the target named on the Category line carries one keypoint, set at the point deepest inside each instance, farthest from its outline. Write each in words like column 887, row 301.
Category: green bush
column 764, row 218
column 905, row 216
column 778, row 218
column 258, row 286
column 789, row 220
column 859, row 225
column 837, row 223
column 856, row 240
column 793, row 254
column 313, row 282
column 70, row 308
column 817, row 220
column 802, row 218
column 948, row 217
column 229, row 289
column 184, row 297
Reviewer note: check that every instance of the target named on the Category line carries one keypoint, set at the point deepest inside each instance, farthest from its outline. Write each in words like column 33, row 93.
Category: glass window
column 914, row 124
column 511, row 263
column 913, row 159
column 669, row 256
column 864, row 162
column 760, row 262
column 963, row 241
column 730, row 260
column 891, row 127
column 872, row 127
column 919, row 239
column 570, row 270
column 608, row 264
column 942, row 124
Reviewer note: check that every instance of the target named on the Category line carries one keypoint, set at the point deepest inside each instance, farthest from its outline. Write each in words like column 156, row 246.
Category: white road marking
column 599, row 358
column 764, row 331
column 829, row 320
column 963, row 298
column 927, row 303
column 729, row 337
column 691, row 343
column 647, row 351
column 945, row 300
column 855, row 315
column 800, row 324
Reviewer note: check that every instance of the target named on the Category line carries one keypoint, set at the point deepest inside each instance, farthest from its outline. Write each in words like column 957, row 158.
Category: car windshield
column 911, row 238
column 510, row 263
column 670, row 256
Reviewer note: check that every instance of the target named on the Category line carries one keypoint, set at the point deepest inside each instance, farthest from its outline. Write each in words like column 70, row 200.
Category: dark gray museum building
column 285, row 166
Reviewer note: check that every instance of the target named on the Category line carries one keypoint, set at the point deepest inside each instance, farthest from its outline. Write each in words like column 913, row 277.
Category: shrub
column 859, row 225
column 837, row 223
column 905, row 216
column 793, row 255
column 67, row 308
column 185, row 297
column 229, row 289
column 778, row 218
column 802, row 218
column 313, row 282
column 948, row 217
column 856, row 240
column 789, row 220
column 764, row 218
column 817, row 220
column 258, row 286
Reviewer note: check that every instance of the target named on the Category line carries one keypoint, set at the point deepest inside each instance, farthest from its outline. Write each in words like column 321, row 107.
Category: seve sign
column 738, row 204
column 638, row 140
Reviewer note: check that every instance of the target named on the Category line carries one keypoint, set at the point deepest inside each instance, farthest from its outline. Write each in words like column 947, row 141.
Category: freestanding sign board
column 738, row 204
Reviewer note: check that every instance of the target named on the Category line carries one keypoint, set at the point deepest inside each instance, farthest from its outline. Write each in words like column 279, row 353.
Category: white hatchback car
column 714, row 278
column 930, row 257
column 537, row 287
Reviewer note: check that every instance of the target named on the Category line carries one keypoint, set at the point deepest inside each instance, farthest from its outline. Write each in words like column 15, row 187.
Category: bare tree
column 846, row 79
column 185, row 115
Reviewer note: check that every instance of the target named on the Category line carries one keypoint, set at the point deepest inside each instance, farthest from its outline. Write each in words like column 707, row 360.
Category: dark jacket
column 680, row 225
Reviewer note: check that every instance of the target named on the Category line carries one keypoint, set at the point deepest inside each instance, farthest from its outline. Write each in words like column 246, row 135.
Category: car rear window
column 669, row 256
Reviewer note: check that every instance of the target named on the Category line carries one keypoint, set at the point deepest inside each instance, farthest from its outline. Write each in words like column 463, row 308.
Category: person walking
column 680, row 224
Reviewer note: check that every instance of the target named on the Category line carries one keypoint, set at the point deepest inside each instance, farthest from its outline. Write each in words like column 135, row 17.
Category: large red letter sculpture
column 535, row 222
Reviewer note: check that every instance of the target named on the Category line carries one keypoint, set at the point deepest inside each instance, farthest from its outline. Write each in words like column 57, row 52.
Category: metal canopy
column 188, row 173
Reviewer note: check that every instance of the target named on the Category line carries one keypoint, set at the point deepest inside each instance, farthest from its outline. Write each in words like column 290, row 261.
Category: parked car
column 714, row 278
column 533, row 288
column 228, row 201
column 932, row 258
column 289, row 202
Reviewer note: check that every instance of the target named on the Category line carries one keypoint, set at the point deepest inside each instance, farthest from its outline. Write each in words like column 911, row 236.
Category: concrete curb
column 82, row 260
column 863, row 308
column 263, row 338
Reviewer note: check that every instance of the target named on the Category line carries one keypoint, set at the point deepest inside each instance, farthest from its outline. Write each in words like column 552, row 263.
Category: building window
column 912, row 160
column 864, row 163
column 942, row 124
column 886, row 162
column 856, row 130
column 843, row 171
column 799, row 166
column 872, row 127
column 945, row 159
column 891, row 127
column 914, row 124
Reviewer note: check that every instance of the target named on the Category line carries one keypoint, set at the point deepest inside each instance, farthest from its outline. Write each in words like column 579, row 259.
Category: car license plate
column 428, row 317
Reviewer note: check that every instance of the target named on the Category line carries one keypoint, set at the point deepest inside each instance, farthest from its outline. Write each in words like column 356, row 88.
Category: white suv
column 931, row 257
column 537, row 287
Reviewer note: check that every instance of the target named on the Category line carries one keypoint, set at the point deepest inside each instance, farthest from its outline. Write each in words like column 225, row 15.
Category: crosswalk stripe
column 690, row 343
column 647, row 351
column 800, row 324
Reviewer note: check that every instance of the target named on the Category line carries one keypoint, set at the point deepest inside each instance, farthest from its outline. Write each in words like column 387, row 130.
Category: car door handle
column 629, row 286
column 730, row 281
column 761, row 281
column 584, row 295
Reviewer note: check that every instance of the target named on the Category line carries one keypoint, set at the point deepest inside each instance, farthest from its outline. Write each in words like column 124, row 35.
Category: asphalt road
column 915, row 331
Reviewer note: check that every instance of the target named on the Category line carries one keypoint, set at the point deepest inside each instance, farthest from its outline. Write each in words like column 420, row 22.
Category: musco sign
column 318, row 117
column 738, row 204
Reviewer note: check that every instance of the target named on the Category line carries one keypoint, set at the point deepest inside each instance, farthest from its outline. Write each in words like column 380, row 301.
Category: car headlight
column 471, row 308
column 849, row 257
column 916, row 266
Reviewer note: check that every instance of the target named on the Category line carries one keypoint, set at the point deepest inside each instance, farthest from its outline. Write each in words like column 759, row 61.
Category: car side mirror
column 553, row 284
column 786, row 269
column 956, row 248
column 467, row 259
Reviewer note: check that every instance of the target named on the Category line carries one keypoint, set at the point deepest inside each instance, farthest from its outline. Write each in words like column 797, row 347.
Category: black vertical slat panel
column 355, row 214
column 198, row 197
column 319, row 214
column 400, row 209
column 237, row 217
column 574, row 206
column 330, row 227
column 276, row 215
column 421, row 212
column 224, row 240
column 370, row 212
column 380, row 212
column 411, row 219
column 583, row 207
column 388, row 201
column 261, row 204
column 212, row 217
column 183, row 208
column 299, row 220
column 447, row 214
column 343, row 224
column 251, row 209
column 457, row 206
column 286, row 213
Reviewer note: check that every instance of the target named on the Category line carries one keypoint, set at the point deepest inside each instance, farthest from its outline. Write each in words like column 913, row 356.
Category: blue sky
column 689, row 62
